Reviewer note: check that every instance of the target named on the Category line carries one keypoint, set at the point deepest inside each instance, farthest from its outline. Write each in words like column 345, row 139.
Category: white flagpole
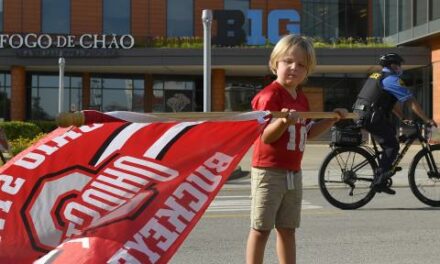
column 207, row 21
column 61, row 64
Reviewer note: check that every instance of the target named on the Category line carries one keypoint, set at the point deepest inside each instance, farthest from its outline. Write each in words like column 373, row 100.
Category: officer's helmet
column 390, row 58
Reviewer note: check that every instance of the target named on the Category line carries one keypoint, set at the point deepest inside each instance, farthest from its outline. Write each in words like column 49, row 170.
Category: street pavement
column 312, row 159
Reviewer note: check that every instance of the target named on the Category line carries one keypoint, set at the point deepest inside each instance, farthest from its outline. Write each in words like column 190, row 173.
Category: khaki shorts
column 273, row 205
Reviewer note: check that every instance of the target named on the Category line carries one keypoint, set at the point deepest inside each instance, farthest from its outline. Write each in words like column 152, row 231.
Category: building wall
column 86, row 17
column 435, row 58
column 148, row 19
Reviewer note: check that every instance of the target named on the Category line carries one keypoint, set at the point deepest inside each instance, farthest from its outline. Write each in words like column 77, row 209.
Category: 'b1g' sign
column 230, row 26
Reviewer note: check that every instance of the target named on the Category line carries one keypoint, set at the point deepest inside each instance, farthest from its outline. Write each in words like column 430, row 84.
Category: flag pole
column 78, row 118
column 207, row 21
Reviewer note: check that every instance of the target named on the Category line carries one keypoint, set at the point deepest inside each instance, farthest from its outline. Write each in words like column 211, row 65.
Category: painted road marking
column 235, row 203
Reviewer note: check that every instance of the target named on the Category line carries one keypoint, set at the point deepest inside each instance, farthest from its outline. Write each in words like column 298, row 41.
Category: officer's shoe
column 384, row 188
column 383, row 177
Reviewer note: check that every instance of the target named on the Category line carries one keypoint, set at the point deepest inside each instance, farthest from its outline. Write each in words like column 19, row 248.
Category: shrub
column 17, row 129
column 20, row 144
column 46, row 126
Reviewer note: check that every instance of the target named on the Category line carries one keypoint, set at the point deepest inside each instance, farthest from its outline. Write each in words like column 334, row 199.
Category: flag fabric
column 118, row 191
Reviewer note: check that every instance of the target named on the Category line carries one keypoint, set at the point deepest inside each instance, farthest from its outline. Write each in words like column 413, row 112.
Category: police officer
column 375, row 102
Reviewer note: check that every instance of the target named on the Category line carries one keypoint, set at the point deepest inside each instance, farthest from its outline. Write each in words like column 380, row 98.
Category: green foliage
column 197, row 42
column 177, row 42
column 46, row 126
column 20, row 144
column 17, row 129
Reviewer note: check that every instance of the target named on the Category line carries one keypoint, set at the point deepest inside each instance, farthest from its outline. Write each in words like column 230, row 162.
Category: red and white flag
column 118, row 191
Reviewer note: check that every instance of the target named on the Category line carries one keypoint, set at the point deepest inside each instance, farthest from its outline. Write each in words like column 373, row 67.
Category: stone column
column 18, row 93
column 148, row 93
column 435, row 59
column 218, row 90
column 85, row 90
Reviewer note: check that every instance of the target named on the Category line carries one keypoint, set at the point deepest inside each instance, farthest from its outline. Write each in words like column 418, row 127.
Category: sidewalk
column 312, row 159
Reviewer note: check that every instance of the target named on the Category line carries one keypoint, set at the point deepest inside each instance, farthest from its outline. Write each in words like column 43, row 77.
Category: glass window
column 117, row 94
column 378, row 18
column 420, row 12
column 391, row 17
column 174, row 96
column 320, row 18
column 405, row 15
column 240, row 91
column 180, row 17
column 338, row 91
column 243, row 6
column 44, row 96
column 434, row 9
column 117, row 17
column 1, row 15
column 5, row 96
column 353, row 19
column 56, row 16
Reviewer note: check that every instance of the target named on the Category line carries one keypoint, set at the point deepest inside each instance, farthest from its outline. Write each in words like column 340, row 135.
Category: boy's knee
column 261, row 233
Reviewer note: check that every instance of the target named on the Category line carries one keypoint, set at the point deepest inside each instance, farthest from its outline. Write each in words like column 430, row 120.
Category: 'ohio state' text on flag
column 116, row 192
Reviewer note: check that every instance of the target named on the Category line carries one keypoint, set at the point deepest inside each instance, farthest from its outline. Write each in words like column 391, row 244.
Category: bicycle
column 346, row 175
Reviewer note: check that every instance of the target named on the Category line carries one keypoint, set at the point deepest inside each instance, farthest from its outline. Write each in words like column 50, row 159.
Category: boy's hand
column 342, row 112
column 292, row 116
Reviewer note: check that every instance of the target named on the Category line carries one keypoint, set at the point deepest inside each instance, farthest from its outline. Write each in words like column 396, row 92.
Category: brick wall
column 315, row 95
column 157, row 18
column 199, row 5
column 32, row 13
column 86, row 17
column 12, row 16
column 139, row 18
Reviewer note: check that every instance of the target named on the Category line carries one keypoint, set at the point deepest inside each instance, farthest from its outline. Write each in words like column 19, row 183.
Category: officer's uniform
column 374, row 106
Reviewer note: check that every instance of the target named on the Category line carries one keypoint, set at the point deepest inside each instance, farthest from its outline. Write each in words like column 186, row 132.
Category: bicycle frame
column 408, row 141
column 347, row 173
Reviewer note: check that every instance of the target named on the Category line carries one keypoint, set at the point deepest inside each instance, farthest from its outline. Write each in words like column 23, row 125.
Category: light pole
column 207, row 21
column 61, row 64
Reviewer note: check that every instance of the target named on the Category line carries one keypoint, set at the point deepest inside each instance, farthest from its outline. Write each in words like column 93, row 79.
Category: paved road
column 389, row 230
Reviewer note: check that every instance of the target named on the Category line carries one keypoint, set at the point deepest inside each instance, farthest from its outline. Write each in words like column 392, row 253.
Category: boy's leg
column 255, row 246
column 267, row 193
column 286, row 247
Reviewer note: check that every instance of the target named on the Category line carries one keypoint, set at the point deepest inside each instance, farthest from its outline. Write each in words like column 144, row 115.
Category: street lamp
column 207, row 21
column 61, row 64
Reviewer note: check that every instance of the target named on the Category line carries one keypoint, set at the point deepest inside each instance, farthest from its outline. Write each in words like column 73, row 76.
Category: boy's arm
column 323, row 125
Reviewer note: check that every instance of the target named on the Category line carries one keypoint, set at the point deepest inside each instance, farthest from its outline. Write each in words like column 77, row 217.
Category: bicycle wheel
column 346, row 176
column 424, row 183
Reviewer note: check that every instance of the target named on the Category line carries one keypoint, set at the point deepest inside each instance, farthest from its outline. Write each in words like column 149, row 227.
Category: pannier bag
column 348, row 136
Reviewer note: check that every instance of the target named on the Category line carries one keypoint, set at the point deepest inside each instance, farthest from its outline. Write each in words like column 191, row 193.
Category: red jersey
column 287, row 151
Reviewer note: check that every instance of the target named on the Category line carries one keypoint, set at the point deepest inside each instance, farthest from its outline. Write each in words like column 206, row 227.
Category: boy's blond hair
column 286, row 44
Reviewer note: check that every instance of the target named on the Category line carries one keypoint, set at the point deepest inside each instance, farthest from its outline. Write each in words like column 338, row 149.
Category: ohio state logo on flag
column 116, row 192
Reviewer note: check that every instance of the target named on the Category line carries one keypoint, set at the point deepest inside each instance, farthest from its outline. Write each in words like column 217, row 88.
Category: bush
column 19, row 129
column 20, row 144
column 46, row 126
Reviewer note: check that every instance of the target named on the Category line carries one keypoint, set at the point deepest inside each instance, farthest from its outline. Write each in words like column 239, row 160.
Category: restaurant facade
column 147, row 55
